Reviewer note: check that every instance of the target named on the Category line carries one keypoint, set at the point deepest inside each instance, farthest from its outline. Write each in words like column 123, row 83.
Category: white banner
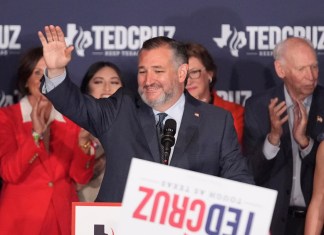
column 164, row 200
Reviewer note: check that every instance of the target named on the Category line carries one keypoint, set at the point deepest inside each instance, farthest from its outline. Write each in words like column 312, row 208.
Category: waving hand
column 56, row 53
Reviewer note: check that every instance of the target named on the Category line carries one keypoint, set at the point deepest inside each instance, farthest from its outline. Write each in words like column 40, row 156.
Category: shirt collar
column 307, row 102
column 26, row 110
column 175, row 111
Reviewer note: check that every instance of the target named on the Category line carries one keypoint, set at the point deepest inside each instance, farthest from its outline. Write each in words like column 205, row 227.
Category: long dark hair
column 95, row 67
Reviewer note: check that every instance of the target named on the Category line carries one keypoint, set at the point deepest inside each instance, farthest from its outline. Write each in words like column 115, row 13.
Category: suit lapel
column 147, row 120
column 188, row 130
column 44, row 156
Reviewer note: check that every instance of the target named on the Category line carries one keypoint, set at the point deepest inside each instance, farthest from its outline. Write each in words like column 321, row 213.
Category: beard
column 165, row 97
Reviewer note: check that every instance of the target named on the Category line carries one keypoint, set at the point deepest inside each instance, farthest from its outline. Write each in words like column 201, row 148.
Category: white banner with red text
column 161, row 200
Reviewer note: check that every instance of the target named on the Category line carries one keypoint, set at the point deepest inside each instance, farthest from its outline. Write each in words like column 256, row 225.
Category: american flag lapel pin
column 319, row 119
column 196, row 115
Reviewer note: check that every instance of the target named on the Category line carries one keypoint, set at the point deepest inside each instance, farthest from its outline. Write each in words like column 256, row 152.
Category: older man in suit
column 280, row 133
column 125, row 123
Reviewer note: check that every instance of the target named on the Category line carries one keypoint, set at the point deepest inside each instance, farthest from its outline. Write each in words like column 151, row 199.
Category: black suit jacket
column 277, row 173
column 125, row 126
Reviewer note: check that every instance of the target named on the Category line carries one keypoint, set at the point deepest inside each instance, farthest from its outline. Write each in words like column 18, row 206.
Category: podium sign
column 161, row 200
column 95, row 218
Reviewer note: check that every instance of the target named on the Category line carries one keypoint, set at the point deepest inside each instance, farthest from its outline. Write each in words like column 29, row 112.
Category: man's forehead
column 155, row 57
column 162, row 50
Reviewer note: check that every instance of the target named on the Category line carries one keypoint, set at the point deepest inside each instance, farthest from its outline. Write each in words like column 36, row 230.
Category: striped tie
column 159, row 131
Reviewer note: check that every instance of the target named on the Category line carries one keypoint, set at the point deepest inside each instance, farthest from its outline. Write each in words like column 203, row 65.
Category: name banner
column 95, row 218
column 161, row 200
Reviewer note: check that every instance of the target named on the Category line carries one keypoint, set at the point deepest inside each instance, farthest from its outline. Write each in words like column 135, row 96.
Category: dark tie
column 159, row 131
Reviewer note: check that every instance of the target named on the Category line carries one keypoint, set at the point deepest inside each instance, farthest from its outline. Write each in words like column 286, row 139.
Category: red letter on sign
column 165, row 205
column 177, row 214
column 137, row 213
column 201, row 211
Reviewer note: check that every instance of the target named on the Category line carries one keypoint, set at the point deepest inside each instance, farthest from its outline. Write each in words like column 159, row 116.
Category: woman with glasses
column 201, row 81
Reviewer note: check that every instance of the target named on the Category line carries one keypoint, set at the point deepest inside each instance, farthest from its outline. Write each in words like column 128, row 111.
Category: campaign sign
column 95, row 218
column 162, row 199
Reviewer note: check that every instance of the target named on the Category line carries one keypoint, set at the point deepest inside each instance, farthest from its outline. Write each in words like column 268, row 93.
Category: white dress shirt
column 270, row 151
column 174, row 112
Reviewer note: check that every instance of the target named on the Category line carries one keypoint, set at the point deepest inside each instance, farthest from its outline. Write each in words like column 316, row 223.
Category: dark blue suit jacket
column 277, row 173
column 125, row 125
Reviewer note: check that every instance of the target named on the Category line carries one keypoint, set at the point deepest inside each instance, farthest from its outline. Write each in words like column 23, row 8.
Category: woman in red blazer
column 201, row 81
column 42, row 157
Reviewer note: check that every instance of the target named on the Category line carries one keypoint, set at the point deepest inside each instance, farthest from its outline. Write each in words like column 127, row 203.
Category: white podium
column 162, row 200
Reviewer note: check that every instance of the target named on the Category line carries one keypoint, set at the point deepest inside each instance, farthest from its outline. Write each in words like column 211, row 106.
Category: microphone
column 167, row 139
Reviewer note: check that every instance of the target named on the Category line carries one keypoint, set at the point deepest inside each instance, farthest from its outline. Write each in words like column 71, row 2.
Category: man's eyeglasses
column 195, row 73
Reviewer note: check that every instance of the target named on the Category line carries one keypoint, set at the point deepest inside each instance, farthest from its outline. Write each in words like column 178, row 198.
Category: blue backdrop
column 239, row 34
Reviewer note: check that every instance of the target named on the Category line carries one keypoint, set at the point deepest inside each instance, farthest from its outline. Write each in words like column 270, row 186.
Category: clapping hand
column 300, row 124
column 276, row 110
column 40, row 114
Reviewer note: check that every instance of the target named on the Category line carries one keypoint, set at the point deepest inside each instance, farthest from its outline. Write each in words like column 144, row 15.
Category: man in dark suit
column 206, row 140
column 280, row 131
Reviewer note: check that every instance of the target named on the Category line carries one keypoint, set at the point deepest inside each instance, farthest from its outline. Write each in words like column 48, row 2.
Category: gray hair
column 280, row 48
column 178, row 48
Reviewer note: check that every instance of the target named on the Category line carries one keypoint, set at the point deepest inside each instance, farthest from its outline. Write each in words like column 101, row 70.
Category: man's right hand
column 276, row 110
column 56, row 54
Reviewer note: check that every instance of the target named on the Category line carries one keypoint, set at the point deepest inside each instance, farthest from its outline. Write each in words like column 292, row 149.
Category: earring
column 210, row 79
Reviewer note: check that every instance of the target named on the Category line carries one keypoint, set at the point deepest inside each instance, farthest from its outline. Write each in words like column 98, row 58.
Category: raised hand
column 56, row 53
column 300, row 124
column 276, row 110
